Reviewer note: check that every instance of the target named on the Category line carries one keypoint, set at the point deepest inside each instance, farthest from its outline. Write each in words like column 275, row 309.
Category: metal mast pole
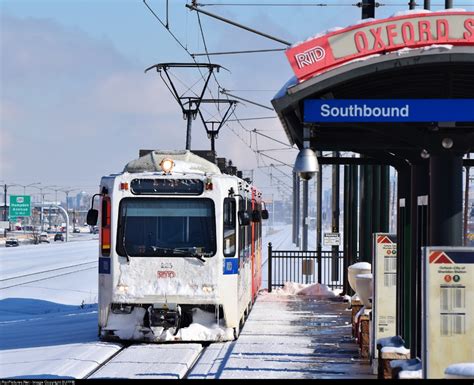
column 189, row 117
column 5, row 208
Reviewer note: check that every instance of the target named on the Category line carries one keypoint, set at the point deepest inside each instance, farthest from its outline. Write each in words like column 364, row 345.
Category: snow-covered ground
column 48, row 322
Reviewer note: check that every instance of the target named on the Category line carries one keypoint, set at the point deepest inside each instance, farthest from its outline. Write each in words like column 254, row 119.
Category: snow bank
column 406, row 365
column 410, row 374
column 461, row 370
column 313, row 290
column 395, row 349
column 204, row 328
column 390, row 341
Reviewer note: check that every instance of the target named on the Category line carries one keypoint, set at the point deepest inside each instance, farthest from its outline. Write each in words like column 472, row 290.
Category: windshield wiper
column 124, row 231
column 194, row 252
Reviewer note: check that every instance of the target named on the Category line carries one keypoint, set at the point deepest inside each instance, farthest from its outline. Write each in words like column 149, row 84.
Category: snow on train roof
column 185, row 161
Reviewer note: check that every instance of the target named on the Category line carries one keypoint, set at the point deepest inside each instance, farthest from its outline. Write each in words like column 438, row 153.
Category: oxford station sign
column 321, row 53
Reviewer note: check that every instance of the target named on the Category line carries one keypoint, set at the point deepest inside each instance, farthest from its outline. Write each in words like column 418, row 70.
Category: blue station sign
column 388, row 110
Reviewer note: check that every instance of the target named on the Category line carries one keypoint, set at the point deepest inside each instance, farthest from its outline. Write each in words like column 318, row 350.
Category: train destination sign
column 413, row 30
column 388, row 110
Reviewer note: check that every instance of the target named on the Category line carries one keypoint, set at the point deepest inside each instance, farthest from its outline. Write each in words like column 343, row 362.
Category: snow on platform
column 291, row 336
column 151, row 361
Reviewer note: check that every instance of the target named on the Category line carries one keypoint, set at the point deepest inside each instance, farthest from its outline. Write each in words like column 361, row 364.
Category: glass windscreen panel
column 229, row 219
column 167, row 186
column 166, row 227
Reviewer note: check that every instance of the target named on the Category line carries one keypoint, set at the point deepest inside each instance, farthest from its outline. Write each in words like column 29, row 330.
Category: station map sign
column 388, row 110
column 384, row 265
column 448, row 308
column 415, row 30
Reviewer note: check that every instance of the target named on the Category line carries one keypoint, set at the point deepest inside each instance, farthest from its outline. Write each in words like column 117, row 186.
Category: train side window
column 229, row 218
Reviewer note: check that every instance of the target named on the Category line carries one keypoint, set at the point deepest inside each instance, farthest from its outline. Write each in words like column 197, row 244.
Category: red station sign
column 321, row 53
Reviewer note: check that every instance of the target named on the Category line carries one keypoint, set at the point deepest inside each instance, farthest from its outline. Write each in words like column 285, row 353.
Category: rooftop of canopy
column 438, row 72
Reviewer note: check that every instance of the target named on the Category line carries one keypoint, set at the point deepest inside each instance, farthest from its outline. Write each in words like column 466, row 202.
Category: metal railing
column 309, row 267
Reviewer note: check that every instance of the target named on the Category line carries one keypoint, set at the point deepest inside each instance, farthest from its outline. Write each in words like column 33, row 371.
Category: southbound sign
column 388, row 110
column 414, row 30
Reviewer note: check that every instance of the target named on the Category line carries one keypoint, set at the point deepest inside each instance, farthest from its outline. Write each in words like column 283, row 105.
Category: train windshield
column 166, row 227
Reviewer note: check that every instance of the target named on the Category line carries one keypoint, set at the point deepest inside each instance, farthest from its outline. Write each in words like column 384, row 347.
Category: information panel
column 388, row 110
column 332, row 239
column 384, row 265
column 448, row 308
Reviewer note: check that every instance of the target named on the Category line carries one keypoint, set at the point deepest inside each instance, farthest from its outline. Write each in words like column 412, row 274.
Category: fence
column 325, row 267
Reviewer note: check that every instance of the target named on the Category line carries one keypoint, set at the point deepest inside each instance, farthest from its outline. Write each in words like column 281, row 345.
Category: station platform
column 289, row 337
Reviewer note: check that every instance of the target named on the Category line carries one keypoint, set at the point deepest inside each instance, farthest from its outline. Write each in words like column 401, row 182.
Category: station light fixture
column 306, row 164
column 447, row 143
column 424, row 154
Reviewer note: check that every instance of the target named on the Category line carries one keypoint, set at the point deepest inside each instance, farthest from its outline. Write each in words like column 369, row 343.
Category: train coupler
column 166, row 316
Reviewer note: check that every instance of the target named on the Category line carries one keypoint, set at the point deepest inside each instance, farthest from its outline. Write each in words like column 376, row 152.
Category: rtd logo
column 165, row 274
column 310, row 56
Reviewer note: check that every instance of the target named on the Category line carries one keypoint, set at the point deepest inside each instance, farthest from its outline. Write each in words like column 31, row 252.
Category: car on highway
column 43, row 238
column 12, row 242
column 58, row 237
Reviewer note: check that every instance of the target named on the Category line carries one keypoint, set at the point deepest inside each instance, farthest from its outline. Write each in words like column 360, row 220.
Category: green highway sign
column 20, row 206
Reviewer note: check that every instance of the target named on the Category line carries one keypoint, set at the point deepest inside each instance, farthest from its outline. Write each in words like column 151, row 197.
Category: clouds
column 74, row 108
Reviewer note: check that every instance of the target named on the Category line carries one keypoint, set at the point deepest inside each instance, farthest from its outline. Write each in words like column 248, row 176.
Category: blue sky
column 76, row 103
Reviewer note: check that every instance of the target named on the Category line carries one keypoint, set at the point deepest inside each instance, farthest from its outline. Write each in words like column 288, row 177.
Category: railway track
column 24, row 279
column 150, row 361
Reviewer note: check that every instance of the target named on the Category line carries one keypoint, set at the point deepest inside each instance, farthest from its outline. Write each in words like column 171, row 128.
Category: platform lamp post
column 42, row 202
column 67, row 191
column 5, row 193
column 28, row 185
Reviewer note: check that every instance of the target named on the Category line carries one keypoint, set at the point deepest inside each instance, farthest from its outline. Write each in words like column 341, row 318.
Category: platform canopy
column 422, row 56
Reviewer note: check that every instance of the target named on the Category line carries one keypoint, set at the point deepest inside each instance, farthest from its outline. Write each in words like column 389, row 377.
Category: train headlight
column 207, row 289
column 167, row 165
column 121, row 288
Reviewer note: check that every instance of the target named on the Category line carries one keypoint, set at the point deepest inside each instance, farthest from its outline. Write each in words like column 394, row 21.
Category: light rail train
column 179, row 251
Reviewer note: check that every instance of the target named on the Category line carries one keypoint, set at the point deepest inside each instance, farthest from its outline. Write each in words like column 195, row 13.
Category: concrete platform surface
column 289, row 337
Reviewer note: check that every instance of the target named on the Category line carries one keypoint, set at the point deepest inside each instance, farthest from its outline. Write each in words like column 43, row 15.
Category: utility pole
column 5, row 208
column 335, row 217
column 466, row 202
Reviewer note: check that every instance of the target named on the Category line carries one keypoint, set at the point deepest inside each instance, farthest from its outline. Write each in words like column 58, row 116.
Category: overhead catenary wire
column 256, row 118
column 224, row 91
column 269, row 137
column 257, row 155
column 239, row 52
column 358, row 4
column 194, row 8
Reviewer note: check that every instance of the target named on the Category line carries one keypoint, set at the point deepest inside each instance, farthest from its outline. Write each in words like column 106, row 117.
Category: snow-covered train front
column 180, row 250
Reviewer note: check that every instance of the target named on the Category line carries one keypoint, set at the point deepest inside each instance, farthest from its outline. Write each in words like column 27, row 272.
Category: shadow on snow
column 26, row 323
